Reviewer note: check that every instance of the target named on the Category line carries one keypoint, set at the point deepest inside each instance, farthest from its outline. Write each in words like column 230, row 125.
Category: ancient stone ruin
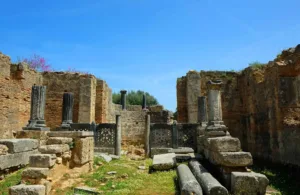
column 55, row 121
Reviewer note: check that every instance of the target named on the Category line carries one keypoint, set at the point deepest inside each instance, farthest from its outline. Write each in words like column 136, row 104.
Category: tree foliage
column 135, row 98
column 257, row 65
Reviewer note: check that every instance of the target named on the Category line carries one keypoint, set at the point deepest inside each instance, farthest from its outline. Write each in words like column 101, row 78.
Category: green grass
column 10, row 180
column 282, row 178
column 129, row 179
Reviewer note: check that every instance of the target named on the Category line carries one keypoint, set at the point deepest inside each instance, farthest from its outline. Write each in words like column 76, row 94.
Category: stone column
column 118, row 135
column 67, row 111
column 215, row 121
column 193, row 91
column 144, row 104
column 147, row 136
column 202, row 113
column 37, row 112
column 174, row 135
column 123, row 99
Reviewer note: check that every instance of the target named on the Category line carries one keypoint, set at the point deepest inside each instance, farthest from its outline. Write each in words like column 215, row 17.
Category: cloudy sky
column 148, row 44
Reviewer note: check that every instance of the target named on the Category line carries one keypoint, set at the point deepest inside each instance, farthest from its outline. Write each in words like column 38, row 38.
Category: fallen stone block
column 3, row 149
column 14, row 160
column 54, row 149
column 35, row 173
column 155, row 151
column 105, row 157
column 231, row 159
column 27, row 189
column 209, row 184
column 223, row 144
column 187, row 182
column 249, row 183
column 59, row 140
column 181, row 150
column 164, row 161
column 86, row 190
column 83, row 150
column 19, row 145
column 42, row 160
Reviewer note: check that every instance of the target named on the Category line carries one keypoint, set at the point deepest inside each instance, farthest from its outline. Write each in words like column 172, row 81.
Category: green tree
column 135, row 98
column 257, row 65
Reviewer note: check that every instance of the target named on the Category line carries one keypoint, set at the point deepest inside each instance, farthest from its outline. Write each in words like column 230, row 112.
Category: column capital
column 123, row 91
column 214, row 84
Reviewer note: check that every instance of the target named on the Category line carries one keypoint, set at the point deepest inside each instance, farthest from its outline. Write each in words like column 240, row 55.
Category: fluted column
column 118, row 135
column 67, row 111
column 215, row 120
column 37, row 112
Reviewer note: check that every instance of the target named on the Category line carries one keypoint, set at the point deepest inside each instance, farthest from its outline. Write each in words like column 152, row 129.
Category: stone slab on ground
column 223, row 144
column 209, row 184
column 42, row 160
column 106, row 157
column 35, row 173
column 71, row 134
column 114, row 157
column 155, row 151
column 164, row 161
column 27, row 190
column 181, row 150
column 54, row 149
column 187, row 182
column 59, row 140
column 85, row 190
column 14, row 160
column 249, row 183
column 19, row 145
column 104, row 150
column 231, row 159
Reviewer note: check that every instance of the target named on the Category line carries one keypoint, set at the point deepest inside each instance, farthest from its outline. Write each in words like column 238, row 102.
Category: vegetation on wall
column 257, row 65
column 135, row 98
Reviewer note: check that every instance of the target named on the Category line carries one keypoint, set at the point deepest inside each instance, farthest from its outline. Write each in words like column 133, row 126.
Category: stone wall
column 15, row 91
column 260, row 106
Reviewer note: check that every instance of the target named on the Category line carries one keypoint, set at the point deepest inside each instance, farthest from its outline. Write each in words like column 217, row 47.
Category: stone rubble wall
column 260, row 106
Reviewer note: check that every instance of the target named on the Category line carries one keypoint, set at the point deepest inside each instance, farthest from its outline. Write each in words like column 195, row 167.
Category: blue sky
column 148, row 44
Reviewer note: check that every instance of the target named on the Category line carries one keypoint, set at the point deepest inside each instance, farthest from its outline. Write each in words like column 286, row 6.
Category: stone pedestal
column 37, row 112
column 67, row 112
column 215, row 121
column 123, row 99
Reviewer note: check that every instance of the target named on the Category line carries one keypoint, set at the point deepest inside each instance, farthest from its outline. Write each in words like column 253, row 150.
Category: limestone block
column 223, row 144
column 215, row 133
column 155, row 151
column 3, row 149
column 187, row 182
column 83, row 150
column 231, row 159
column 71, row 134
column 209, row 184
column 181, row 150
column 14, row 160
column 27, row 189
column 107, row 158
column 54, row 149
column 19, row 145
column 35, row 173
column 164, row 161
column 47, row 185
column 249, row 183
column 59, row 140
column 41, row 136
column 42, row 160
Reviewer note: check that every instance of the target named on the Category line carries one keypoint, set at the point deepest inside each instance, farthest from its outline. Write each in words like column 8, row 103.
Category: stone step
column 231, row 159
column 42, row 160
column 181, row 150
column 54, row 149
column 59, row 140
column 27, row 189
column 35, row 173
column 20, row 145
column 223, row 144
column 164, row 161
column 189, row 156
